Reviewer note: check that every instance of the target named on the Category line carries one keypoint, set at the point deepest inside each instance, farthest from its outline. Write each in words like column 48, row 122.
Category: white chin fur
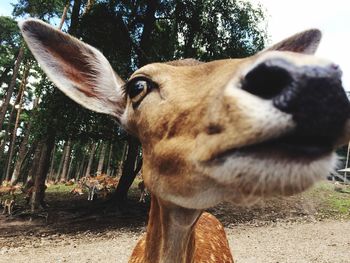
column 248, row 178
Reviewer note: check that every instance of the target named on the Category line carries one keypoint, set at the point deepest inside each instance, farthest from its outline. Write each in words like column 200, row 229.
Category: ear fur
column 78, row 69
column 305, row 42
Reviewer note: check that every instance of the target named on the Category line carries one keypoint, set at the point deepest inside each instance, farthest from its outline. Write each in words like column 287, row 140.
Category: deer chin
column 247, row 177
column 282, row 166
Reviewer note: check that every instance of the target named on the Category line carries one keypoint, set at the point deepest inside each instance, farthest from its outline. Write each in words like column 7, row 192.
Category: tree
column 10, row 42
column 42, row 9
column 102, row 158
column 66, row 160
column 11, row 86
column 14, row 133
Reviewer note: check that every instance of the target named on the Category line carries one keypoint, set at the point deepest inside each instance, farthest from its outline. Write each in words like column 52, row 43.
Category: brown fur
column 201, row 247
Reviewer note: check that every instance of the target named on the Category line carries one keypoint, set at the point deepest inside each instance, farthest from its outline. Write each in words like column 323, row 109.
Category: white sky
column 332, row 17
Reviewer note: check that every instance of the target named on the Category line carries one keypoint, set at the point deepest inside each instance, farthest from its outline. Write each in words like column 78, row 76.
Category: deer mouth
column 291, row 147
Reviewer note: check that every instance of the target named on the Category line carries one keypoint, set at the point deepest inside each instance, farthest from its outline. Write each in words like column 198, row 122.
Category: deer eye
column 138, row 88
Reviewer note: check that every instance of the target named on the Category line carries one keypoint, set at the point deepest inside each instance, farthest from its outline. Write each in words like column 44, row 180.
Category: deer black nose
column 313, row 94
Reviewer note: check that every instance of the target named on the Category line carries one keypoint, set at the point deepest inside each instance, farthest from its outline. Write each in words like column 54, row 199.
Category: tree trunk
column 38, row 196
column 119, row 169
column 52, row 165
column 64, row 15
column 9, row 133
column 70, row 168
column 34, row 166
column 73, row 28
column 129, row 172
column 91, row 158
column 14, row 133
column 21, row 156
column 77, row 171
column 148, row 27
column 80, row 169
column 61, row 164
column 109, row 168
column 101, row 159
column 8, row 130
column 64, row 173
column 11, row 86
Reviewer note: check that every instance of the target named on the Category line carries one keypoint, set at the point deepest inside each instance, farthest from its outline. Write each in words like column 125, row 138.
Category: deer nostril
column 266, row 80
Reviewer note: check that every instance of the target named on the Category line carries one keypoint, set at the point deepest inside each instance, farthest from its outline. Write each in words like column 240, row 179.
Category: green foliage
column 201, row 29
column 218, row 29
column 10, row 40
column 60, row 188
column 43, row 9
column 104, row 29
column 9, row 32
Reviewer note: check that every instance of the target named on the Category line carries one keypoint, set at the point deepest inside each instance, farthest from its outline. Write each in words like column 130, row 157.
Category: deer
column 8, row 205
column 230, row 130
column 143, row 192
column 78, row 190
column 92, row 185
column 101, row 184
column 69, row 182
column 10, row 189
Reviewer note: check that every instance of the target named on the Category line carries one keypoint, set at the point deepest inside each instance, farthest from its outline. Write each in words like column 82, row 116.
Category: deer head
column 228, row 130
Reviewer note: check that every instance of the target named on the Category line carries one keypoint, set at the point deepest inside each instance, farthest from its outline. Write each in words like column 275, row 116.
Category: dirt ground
column 295, row 229
column 321, row 242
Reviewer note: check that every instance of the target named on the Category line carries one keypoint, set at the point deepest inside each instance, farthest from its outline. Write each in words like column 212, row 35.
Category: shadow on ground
column 72, row 215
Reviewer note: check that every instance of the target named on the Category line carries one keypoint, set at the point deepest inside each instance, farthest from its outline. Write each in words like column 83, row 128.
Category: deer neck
column 170, row 233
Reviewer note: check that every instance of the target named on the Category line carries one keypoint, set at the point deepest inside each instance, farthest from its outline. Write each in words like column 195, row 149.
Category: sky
column 286, row 18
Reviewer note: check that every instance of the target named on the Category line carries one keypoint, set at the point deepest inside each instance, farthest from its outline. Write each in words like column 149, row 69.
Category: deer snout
column 312, row 94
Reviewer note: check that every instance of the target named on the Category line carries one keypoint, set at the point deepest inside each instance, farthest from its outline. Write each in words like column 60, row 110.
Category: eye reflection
column 137, row 88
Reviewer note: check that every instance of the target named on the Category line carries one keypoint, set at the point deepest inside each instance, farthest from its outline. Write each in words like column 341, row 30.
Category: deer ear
column 305, row 42
column 77, row 69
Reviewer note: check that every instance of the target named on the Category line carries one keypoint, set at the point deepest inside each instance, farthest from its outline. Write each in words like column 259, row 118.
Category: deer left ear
column 305, row 42
column 77, row 69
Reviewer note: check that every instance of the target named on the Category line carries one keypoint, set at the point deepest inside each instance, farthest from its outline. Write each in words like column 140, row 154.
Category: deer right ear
column 305, row 42
column 77, row 69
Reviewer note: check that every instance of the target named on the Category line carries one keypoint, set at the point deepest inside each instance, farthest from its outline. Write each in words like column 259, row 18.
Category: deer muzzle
column 312, row 94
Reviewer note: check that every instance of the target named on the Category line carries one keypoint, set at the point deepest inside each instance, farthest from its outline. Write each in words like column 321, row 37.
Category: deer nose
column 312, row 94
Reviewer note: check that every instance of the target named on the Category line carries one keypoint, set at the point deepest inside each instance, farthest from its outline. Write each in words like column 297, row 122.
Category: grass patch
column 340, row 205
column 60, row 188
column 330, row 200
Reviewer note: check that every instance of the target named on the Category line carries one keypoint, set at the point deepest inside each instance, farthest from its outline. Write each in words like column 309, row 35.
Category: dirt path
column 321, row 242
